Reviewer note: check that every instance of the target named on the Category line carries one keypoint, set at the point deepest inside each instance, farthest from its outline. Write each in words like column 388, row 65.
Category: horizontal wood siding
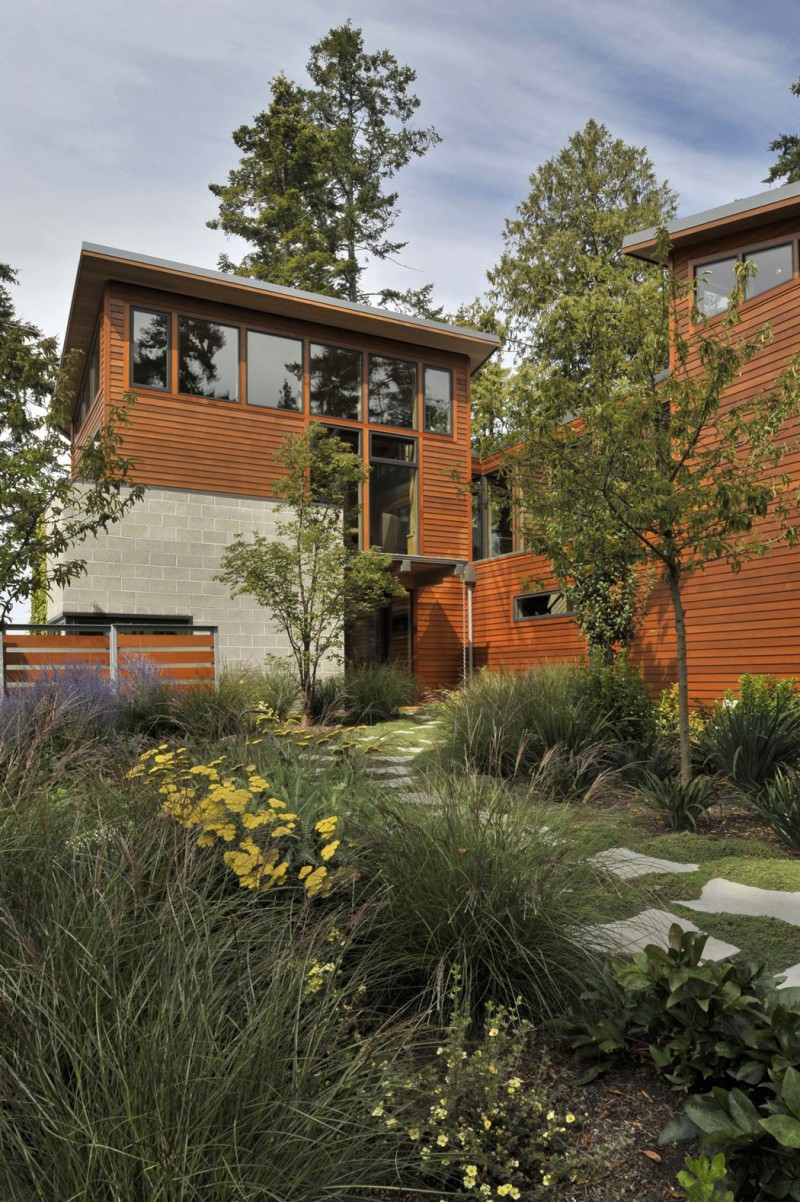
column 180, row 660
column 230, row 447
column 438, row 638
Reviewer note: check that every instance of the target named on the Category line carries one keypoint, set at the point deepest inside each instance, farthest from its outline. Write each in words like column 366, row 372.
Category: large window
column 392, row 391
column 149, row 349
column 335, row 381
column 438, row 400
column 393, row 494
column 274, row 371
column 715, row 283
column 775, row 267
column 541, row 605
column 492, row 518
column 352, row 501
column 208, row 359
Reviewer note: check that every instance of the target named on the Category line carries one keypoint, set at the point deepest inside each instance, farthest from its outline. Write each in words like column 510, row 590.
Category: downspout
column 468, row 581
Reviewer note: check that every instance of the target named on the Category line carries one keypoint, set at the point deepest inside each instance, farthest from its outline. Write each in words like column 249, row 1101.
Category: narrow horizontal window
column 714, row 283
column 335, row 382
column 387, row 446
column 541, row 605
column 208, row 359
column 392, row 391
column 438, row 400
column 775, row 267
column 274, row 371
column 149, row 349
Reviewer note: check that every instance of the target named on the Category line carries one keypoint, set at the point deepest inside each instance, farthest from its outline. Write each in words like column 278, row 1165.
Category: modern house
column 224, row 367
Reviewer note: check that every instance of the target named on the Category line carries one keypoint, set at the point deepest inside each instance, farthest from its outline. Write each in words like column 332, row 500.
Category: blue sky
column 118, row 115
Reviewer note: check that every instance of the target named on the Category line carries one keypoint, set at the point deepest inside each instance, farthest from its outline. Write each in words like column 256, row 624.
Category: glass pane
column 352, row 499
column 274, row 371
column 149, row 349
column 541, row 605
column 352, row 438
column 392, row 391
column 438, row 400
column 94, row 368
column 208, row 359
column 392, row 508
column 335, row 375
column 774, row 268
column 715, row 283
column 478, row 520
column 501, row 537
column 386, row 446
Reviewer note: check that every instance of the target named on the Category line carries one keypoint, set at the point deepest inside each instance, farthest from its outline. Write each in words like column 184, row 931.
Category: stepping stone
column 388, row 770
column 390, row 759
column 726, row 897
column 651, row 926
column 624, row 863
column 792, row 977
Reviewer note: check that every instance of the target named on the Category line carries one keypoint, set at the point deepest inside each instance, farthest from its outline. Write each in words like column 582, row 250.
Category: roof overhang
column 101, row 264
column 741, row 215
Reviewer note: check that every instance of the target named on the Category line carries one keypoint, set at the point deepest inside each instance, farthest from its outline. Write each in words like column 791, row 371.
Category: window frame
column 168, row 313
column 412, row 466
column 547, row 592
column 363, row 384
column 199, row 396
column 247, row 330
column 739, row 254
column 449, row 432
column 369, row 420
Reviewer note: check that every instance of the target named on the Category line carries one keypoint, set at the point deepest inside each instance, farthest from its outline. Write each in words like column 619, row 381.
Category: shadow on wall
column 439, row 652
column 654, row 649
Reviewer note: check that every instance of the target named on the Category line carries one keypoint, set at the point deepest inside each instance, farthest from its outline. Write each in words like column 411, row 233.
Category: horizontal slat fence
column 29, row 653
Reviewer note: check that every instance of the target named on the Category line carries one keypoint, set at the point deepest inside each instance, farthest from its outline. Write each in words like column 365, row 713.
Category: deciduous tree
column 310, row 578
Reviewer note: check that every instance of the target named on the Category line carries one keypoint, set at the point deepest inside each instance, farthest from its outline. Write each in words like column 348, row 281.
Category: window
column 438, row 400
column 90, row 385
column 208, row 359
column 149, row 349
column 715, row 282
column 274, row 371
column 775, row 267
column 352, row 501
column 541, row 605
column 335, row 382
column 393, row 494
column 392, row 391
column 492, row 518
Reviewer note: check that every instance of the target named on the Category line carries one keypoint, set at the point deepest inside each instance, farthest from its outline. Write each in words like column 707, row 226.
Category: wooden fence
column 28, row 653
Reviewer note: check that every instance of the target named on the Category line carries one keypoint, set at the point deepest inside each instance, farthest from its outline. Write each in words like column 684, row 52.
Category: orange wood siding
column 229, row 447
column 179, row 659
column 438, row 642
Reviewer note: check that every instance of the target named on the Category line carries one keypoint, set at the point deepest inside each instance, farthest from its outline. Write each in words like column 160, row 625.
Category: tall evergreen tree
column 786, row 168
column 309, row 193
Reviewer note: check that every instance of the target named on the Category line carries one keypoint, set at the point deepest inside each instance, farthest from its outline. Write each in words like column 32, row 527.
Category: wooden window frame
column 426, row 429
column 199, row 396
column 412, row 465
column 247, row 330
column 169, row 314
column 739, row 255
column 368, row 419
column 547, row 592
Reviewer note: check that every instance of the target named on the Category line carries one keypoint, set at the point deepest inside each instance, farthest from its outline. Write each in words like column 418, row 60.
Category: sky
column 117, row 116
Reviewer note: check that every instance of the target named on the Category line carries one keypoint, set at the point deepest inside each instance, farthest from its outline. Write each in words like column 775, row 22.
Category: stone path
column 718, row 896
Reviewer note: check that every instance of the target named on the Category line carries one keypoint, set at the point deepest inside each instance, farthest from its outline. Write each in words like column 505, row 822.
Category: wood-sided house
column 223, row 368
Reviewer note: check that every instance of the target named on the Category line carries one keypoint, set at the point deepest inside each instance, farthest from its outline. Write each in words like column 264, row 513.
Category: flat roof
column 99, row 264
column 739, row 214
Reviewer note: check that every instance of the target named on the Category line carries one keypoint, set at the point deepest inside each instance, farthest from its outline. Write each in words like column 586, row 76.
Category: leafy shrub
column 475, row 1124
column 779, row 805
column 705, row 1180
column 476, row 879
column 702, row 1023
column 749, row 739
column 680, row 806
column 503, row 723
column 619, row 693
column 363, row 694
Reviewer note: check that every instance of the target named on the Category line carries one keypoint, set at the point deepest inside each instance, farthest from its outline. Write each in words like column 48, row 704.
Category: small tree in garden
column 661, row 467
column 310, row 578
column 48, row 506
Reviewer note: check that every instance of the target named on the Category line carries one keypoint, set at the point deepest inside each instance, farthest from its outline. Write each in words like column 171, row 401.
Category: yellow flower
column 326, row 826
column 493, row 1031
column 279, row 832
column 329, row 849
column 378, row 1111
column 471, row 1170
column 569, row 1118
column 441, row 1140
column 413, row 1133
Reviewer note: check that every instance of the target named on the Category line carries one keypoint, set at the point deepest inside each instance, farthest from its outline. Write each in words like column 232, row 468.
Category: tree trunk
column 673, row 576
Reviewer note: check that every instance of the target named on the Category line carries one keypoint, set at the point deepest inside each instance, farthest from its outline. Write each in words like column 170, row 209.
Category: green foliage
column 475, row 1123
column 364, row 693
column 702, row 1023
column 705, row 1180
column 309, row 193
column 477, row 879
column 681, row 806
column 751, row 738
column 608, row 600
column 778, row 803
column 37, row 481
column 786, row 168
column 308, row 577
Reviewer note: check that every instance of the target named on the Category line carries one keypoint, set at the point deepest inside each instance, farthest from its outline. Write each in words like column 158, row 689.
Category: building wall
column 161, row 560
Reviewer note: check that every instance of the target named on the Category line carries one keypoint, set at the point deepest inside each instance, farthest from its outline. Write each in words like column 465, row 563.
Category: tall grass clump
column 363, row 694
column 165, row 1035
column 504, row 723
column 477, row 882
column 751, row 737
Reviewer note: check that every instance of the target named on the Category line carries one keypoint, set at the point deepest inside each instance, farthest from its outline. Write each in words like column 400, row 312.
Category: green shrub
column 364, row 694
column 619, row 693
column 749, row 739
column 679, row 806
column 779, row 805
column 476, row 879
column 705, row 1180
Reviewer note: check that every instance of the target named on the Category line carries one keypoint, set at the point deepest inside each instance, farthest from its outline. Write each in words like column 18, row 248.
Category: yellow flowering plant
column 481, row 1129
column 265, row 843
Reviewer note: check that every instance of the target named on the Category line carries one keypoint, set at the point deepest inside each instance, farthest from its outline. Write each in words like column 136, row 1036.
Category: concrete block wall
column 161, row 560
